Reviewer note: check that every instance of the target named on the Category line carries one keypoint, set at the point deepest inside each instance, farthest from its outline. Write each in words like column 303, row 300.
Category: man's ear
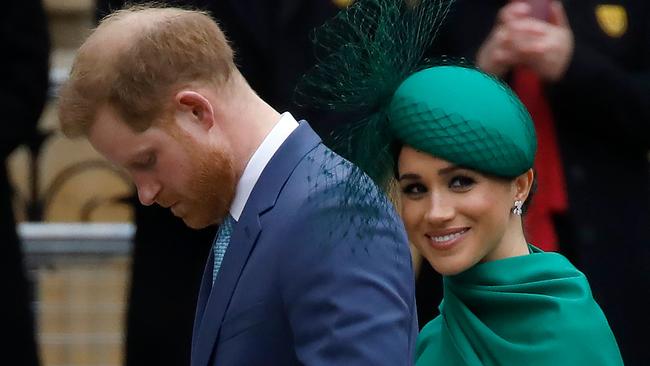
column 523, row 184
column 200, row 108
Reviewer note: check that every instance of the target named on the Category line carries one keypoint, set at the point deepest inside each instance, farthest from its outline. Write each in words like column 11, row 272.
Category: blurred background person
column 583, row 71
column 25, row 40
column 272, row 50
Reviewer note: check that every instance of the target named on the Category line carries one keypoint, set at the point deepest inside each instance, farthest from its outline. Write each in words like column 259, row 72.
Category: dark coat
column 23, row 94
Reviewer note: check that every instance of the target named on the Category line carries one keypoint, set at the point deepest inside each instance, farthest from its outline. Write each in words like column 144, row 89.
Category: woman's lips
column 444, row 240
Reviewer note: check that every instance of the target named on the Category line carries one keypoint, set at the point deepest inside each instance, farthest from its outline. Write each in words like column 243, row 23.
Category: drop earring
column 517, row 210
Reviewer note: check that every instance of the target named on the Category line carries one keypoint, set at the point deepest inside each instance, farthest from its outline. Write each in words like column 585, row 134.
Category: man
column 302, row 271
column 593, row 60
column 152, row 337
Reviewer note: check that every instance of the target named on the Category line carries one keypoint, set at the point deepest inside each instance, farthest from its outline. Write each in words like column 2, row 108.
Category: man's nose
column 147, row 191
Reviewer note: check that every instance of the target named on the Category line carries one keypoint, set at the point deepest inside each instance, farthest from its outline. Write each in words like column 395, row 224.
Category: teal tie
column 221, row 244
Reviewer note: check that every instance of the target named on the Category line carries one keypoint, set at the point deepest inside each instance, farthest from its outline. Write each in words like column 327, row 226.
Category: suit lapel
column 204, row 294
column 244, row 237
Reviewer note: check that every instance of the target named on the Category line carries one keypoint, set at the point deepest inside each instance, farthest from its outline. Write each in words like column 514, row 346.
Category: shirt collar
column 259, row 160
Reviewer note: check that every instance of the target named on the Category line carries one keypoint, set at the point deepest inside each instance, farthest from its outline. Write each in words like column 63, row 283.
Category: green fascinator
column 371, row 64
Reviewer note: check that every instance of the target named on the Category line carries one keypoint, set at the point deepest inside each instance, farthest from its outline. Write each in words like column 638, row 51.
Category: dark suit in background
column 273, row 50
column 601, row 108
column 23, row 90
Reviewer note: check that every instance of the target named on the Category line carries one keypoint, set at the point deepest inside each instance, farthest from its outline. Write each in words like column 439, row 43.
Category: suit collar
column 259, row 160
column 214, row 300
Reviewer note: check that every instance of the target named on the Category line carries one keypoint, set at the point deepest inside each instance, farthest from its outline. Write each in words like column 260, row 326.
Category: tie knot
column 228, row 222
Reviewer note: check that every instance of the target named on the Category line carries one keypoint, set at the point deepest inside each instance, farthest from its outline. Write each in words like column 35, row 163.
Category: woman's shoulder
column 525, row 299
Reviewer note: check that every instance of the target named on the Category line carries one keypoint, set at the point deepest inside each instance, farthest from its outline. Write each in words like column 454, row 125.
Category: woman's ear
column 190, row 102
column 523, row 184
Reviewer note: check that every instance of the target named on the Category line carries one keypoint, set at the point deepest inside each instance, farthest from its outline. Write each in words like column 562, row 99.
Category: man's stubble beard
column 212, row 188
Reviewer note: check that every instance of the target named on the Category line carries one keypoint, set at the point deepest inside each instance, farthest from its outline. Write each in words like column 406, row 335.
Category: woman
column 465, row 174
column 462, row 148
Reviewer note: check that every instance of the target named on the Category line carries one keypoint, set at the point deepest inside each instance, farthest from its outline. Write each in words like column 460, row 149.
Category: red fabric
column 551, row 195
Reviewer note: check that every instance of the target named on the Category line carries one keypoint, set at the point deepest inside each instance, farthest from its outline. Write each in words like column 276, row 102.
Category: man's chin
column 199, row 219
column 197, row 224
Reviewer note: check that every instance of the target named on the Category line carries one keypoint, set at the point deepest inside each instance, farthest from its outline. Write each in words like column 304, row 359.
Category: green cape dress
column 535, row 309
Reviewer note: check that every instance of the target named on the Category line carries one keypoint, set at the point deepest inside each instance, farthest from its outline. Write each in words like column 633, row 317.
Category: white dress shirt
column 259, row 160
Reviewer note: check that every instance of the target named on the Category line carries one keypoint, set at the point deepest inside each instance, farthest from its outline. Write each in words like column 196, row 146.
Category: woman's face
column 457, row 217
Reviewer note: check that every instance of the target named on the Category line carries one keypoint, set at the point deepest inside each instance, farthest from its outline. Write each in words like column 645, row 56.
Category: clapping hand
column 519, row 39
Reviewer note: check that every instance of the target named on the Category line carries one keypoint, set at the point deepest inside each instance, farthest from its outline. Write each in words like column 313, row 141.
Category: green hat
column 466, row 117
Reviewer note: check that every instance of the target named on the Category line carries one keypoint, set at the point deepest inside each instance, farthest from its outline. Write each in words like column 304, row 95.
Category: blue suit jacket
column 309, row 278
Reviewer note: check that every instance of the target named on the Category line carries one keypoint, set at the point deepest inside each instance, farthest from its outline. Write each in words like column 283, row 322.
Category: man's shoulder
column 323, row 178
column 324, row 168
column 331, row 193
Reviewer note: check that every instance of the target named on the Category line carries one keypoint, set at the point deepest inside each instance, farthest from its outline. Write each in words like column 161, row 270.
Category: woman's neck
column 512, row 244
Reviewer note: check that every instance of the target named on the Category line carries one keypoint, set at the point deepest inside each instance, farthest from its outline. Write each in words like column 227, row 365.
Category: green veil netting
column 364, row 54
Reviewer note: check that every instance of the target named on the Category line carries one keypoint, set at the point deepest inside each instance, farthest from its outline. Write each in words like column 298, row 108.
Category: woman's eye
column 414, row 189
column 461, row 183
